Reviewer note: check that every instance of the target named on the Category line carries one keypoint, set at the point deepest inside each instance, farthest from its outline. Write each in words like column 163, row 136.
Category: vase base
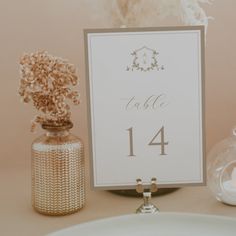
column 47, row 213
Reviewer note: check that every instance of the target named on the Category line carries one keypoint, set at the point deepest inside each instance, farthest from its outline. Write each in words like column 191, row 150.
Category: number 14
column 162, row 143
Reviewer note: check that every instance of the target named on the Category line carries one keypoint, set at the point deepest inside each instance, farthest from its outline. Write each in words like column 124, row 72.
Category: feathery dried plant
column 46, row 81
column 141, row 13
column 145, row 12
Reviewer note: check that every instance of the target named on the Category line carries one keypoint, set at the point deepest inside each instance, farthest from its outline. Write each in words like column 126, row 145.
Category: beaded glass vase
column 58, row 183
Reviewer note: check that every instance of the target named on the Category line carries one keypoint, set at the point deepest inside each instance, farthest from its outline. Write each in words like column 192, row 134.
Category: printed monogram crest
column 144, row 59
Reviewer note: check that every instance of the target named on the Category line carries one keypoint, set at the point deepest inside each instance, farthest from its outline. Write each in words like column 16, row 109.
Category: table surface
column 18, row 218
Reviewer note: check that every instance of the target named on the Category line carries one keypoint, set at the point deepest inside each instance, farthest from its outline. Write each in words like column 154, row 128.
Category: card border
column 201, row 28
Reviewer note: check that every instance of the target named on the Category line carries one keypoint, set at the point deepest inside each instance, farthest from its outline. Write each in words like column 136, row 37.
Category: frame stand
column 147, row 206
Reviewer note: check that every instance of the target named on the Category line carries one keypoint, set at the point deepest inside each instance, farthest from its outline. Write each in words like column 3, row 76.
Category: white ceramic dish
column 162, row 224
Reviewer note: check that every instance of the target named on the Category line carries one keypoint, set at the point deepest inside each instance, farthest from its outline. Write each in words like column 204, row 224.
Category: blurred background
column 57, row 26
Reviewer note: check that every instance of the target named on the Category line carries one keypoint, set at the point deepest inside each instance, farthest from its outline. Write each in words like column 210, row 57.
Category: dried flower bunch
column 138, row 13
column 148, row 12
column 46, row 81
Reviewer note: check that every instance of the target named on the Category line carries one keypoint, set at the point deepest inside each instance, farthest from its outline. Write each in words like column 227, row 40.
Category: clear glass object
column 222, row 170
column 58, row 182
column 147, row 206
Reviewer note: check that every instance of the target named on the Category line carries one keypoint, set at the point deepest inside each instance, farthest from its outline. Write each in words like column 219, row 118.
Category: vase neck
column 57, row 130
column 53, row 130
column 59, row 133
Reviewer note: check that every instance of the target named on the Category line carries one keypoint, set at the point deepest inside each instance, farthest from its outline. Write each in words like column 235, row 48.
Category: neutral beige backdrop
column 57, row 26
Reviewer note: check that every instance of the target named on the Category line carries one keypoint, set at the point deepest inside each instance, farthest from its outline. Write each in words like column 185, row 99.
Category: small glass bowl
column 221, row 170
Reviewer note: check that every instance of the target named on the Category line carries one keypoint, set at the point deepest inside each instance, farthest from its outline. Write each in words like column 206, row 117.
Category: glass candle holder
column 222, row 170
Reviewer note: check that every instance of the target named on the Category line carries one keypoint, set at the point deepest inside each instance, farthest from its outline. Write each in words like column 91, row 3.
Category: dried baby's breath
column 46, row 81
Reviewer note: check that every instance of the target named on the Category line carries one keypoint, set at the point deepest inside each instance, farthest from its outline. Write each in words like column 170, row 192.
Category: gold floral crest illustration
column 145, row 59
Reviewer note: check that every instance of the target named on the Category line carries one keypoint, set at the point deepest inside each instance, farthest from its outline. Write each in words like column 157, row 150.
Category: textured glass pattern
column 58, row 185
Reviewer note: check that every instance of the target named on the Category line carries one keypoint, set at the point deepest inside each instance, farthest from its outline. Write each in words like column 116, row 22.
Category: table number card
column 146, row 103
